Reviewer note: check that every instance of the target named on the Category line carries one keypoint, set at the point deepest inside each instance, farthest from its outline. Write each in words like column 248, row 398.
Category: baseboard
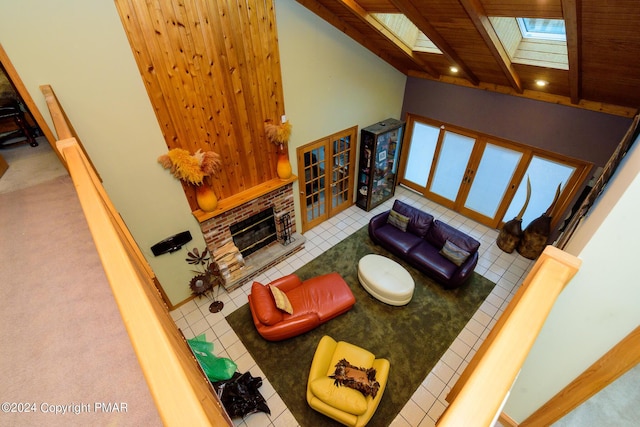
column 506, row 420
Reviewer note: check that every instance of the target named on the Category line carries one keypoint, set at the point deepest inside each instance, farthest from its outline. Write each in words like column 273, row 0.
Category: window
column 533, row 41
column 545, row 29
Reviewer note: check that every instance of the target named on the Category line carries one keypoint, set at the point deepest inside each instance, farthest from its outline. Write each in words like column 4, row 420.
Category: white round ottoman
column 385, row 279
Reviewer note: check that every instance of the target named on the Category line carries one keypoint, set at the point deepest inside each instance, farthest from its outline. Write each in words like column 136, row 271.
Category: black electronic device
column 171, row 244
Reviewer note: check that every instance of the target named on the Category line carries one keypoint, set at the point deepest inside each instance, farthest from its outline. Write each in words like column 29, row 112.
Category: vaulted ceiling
column 602, row 70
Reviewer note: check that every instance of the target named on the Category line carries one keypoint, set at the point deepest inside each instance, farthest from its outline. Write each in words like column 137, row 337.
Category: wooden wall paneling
column 267, row 63
column 243, row 75
column 524, row 8
column 227, row 119
column 167, row 65
column 212, row 72
column 185, row 33
column 216, row 89
column 208, row 90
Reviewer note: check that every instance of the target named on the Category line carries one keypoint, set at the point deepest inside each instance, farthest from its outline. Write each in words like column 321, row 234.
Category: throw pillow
column 454, row 253
column 397, row 220
column 361, row 379
column 282, row 302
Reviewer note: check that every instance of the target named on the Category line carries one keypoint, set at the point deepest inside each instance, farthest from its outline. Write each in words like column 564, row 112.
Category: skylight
column 406, row 31
column 545, row 29
column 542, row 45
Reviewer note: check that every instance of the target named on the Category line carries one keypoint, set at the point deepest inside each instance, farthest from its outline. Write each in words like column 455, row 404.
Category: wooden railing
column 480, row 393
column 181, row 391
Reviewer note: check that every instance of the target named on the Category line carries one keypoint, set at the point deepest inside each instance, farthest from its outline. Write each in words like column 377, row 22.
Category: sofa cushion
column 264, row 304
column 453, row 253
column 343, row 398
column 427, row 257
column 396, row 240
column 440, row 232
column 325, row 296
column 419, row 221
column 399, row 221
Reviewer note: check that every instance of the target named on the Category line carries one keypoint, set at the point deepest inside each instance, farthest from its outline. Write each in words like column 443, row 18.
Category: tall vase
column 206, row 198
column 535, row 237
column 510, row 235
column 283, row 166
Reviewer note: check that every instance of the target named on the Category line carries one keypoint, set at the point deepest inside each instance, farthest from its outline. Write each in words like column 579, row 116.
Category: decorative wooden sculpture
column 535, row 236
column 511, row 231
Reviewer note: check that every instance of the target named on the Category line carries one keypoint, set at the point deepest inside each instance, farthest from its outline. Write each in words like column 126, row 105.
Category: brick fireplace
column 217, row 233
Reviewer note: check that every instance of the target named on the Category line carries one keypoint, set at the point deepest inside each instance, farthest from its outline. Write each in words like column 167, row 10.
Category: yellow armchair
column 343, row 404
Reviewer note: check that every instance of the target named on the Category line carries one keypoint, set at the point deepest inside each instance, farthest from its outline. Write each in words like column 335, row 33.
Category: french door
column 326, row 172
column 482, row 177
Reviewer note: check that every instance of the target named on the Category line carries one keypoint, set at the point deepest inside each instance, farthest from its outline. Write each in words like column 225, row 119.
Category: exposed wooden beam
column 356, row 35
column 479, row 17
column 376, row 25
column 572, row 28
column 415, row 16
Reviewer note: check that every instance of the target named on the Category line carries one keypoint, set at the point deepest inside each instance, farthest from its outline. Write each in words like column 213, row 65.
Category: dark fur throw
column 361, row 379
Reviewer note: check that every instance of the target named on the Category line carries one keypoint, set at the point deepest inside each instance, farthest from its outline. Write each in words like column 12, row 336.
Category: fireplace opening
column 255, row 232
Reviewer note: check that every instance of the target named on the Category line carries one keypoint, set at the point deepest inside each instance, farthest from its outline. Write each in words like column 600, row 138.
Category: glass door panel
column 314, row 207
column 492, row 179
column 545, row 175
column 422, row 147
column 451, row 165
column 341, row 168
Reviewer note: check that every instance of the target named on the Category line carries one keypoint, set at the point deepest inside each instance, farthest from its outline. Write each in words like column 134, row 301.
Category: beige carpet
column 29, row 165
column 62, row 341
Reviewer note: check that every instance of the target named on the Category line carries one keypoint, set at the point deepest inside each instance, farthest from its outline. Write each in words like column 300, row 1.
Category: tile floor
column 428, row 402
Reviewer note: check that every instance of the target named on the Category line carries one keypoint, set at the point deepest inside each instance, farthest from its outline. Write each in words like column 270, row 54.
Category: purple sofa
column 433, row 247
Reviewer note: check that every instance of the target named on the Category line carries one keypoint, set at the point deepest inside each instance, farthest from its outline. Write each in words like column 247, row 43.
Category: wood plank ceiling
column 603, row 46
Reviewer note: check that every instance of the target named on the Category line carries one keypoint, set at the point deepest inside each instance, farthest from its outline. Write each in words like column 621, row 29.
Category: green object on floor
column 412, row 337
column 216, row 368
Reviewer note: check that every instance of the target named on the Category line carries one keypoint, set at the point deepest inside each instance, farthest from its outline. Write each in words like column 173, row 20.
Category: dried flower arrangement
column 207, row 277
column 278, row 134
column 191, row 168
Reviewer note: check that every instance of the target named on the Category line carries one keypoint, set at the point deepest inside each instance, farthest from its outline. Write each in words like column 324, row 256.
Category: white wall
column 599, row 307
column 79, row 47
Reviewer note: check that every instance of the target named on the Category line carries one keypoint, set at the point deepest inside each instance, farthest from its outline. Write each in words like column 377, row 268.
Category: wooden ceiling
column 603, row 46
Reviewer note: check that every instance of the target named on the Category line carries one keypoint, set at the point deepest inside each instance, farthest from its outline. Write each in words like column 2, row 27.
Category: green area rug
column 413, row 337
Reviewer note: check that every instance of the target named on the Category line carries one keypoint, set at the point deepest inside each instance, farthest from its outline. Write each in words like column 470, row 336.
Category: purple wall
column 574, row 132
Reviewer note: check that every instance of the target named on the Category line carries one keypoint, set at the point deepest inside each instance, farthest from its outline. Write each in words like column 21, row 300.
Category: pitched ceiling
column 603, row 46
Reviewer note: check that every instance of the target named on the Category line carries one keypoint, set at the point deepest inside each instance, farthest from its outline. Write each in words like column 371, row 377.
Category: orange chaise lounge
column 311, row 303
